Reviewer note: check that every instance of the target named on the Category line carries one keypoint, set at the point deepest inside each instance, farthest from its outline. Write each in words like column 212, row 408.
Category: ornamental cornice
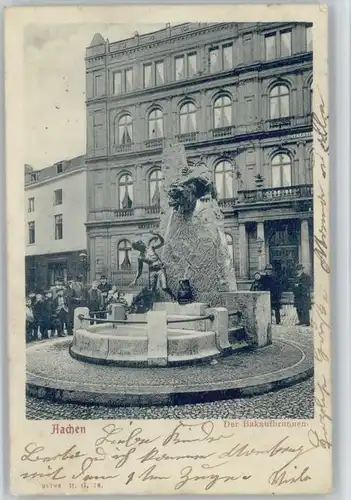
column 95, row 58
column 123, row 50
column 166, row 41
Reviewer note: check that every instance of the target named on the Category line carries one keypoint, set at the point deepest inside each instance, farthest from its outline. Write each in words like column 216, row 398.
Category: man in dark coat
column 56, row 287
column 29, row 320
column 95, row 301
column 47, row 314
column 37, row 313
column 61, row 312
column 104, row 288
column 32, row 299
column 79, row 289
column 258, row 282
column 71, row 301
column 272, row 284
column 302, row 296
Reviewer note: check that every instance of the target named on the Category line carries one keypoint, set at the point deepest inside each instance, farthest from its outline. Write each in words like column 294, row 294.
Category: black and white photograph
column 168, row 187
column 168, row 249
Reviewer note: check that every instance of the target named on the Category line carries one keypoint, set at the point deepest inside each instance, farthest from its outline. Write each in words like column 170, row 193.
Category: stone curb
column 144, row 364
column 71, row 392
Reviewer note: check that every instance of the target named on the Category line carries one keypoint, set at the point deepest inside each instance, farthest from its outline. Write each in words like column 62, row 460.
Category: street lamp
column 83, row 257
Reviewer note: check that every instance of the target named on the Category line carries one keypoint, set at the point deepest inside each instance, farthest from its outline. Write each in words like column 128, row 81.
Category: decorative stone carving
column 192, row 226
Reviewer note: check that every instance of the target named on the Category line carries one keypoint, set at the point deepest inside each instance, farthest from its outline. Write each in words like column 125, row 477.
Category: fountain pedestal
column 255, row 309
column 157, row 354
column 169, row 335
column 79, row 311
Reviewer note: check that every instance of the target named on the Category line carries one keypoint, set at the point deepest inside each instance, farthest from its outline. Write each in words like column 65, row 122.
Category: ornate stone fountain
column 172, row 334
column 194, row 249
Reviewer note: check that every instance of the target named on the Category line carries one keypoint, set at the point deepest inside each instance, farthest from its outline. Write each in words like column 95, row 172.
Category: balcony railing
column 154, row 143
column 304, row 191
column 227, row 202
column 222, row 131
column 152, row 209
column 124, row 212
column 190, row 137
column 276, row 194
column 123, row 148
column 282, row 122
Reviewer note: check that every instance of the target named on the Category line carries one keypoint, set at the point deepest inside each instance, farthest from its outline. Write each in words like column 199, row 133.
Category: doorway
column 284, row 251
column 57, row 270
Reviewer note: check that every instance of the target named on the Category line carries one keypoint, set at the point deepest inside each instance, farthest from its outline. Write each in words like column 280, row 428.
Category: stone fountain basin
column 128, row 345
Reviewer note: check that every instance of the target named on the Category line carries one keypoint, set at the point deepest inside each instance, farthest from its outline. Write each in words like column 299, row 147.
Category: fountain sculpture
column 189, row 252
column 192, row 222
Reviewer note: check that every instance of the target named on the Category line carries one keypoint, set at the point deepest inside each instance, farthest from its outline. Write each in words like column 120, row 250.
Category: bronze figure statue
column 149, row 256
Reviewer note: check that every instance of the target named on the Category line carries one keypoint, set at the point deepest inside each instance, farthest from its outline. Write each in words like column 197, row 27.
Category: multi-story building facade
column 55, row 217
column 239, row 97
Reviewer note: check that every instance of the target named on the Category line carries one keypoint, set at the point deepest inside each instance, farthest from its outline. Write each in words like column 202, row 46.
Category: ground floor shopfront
column 281, row 243
column 43, row 270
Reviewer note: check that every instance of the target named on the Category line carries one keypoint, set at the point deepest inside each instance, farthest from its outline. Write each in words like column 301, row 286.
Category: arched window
column 125, row 186
column 279, row 102
column 281, row 170
column 187, row 116
column 224, row 179
column 125, row 130
column 155, row 124
column 230, row 244
column 222, row 116
column 124, row 251
column 155, row 183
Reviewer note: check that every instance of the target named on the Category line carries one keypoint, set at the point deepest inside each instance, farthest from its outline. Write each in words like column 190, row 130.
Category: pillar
column 78, row 323
column 140, row 129
column 243, row 245
column 220, row 326
column 157, row 338
column 139, row 190
column 117, row 313
column 262, row 255
column 299, row 95
column 202, row 119
column 305, row 246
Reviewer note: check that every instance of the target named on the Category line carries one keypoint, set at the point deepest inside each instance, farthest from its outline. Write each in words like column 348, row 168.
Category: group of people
column 101, row 296
column 270, row 282
column 53, row 310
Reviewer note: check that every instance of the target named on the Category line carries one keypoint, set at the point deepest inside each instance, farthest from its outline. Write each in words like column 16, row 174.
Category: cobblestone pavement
column 52, row 360
column 288, row 315
column 293, row 402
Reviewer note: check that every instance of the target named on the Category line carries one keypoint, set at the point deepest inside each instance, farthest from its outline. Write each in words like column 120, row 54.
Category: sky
column 55, row 87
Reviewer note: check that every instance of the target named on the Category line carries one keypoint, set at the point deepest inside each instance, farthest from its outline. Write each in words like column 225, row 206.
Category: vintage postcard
column 168, row 249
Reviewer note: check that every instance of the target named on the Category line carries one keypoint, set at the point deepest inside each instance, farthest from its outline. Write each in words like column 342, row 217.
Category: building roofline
column 108, row 47
column 47, row 176
column 155, row 31
column 68, row 173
